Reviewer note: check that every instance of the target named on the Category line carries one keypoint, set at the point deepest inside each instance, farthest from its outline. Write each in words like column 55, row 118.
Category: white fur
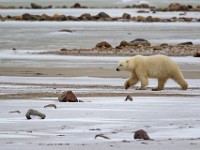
column 155, row 66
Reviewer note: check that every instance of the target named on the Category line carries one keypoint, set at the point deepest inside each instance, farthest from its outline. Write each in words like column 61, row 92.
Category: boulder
column 85, row 16
column 177, row 7
column 102, row 15
column 35, row 6
column 164, row 45
column 126, row 16
column 58, row 17
column 141, row 134
column 186, row 43
column 44, row 17
column 140, row 19
column 124, row 44
column 76, row 5
column 27, row 16
column 67, row 96
column 140, row 41
column 103, row 44
column 197, row 54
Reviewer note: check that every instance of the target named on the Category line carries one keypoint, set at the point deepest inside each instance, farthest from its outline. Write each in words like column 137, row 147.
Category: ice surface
column 161, row 117
column 46, row 36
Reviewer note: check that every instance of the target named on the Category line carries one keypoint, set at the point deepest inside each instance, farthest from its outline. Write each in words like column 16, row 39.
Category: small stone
column 66, row 30
column 186, row 43
column 67, row 96
column 50, row 105
column 141, row 134
column 32, row 112
column 15, row 111
column 128, row 97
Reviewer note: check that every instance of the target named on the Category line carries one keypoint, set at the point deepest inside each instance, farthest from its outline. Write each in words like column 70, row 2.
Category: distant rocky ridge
column 170, row 7
column 135, row 47
column 101, row 16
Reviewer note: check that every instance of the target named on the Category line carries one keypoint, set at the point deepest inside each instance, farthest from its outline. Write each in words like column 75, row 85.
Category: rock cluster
column 134, row 47
column 171, row 7
column 102, row 16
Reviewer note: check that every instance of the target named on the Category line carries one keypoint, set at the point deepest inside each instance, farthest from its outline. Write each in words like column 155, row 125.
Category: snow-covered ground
column 167, row 120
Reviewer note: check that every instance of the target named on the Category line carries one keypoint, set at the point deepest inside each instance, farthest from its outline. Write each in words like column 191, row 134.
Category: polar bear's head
column 125, row 65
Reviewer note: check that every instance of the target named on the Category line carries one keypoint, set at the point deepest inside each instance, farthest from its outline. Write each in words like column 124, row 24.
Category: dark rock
column 27, row 16
column 58, row 17
column 142, row 11
column 44, row 17
column 63, row 50
column 50, row 105
column 177, row 7
column 35, row 6
column 103, row 44
column 85, row 16
column 140, row 18
column 66, row 30
column 197, row 54
column 67, row 96
column 140, row 41
column 164, row 45
column 76, row 5
column 141, row 134
column 186, row 43
column 32, row 112
column 124, row 44
column 128, row 97
column 189, row 6
column 126, row 16
column 102, row 15
column 144, row 5
column 15, row 111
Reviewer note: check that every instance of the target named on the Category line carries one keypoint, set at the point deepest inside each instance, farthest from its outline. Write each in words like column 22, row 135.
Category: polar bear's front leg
column 131, row 81
column 144, row 83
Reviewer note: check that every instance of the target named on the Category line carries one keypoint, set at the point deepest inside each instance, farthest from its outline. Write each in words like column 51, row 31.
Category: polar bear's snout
column 119, row 68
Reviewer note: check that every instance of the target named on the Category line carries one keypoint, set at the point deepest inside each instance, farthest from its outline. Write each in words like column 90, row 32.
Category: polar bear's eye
column 120, row 65
column 127, row 61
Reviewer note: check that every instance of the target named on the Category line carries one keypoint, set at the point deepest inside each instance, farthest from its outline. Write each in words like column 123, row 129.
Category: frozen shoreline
column 111, row 12
column 74, row 124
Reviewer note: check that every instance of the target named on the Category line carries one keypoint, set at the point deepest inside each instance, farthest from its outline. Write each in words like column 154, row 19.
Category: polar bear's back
column 159, row 66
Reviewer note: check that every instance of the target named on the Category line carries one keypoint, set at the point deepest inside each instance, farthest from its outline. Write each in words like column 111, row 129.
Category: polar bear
column 155, row 66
